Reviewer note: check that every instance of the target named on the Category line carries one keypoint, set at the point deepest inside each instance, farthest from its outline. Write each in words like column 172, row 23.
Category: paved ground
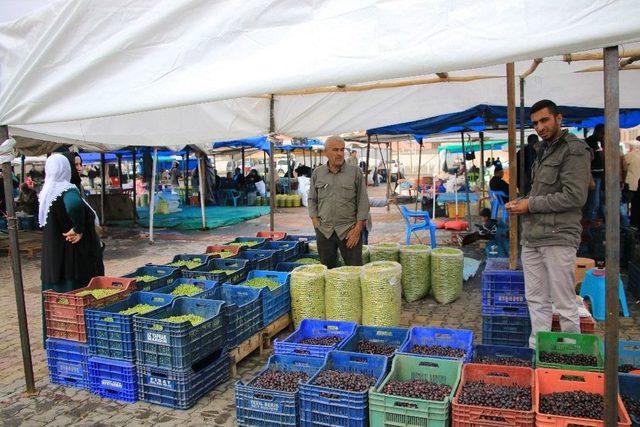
column 59, row 406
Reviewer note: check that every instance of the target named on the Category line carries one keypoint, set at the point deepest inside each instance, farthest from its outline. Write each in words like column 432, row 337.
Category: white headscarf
column 57, row 180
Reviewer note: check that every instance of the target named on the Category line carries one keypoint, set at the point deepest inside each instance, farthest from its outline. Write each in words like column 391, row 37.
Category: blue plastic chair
column 497, row 199
column 426, row 224
column 593, row 287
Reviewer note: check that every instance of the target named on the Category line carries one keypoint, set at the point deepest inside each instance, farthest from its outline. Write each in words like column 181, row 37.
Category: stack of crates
column 66, row 345
column 505, row 316
column 180, row 359
column 112, row 369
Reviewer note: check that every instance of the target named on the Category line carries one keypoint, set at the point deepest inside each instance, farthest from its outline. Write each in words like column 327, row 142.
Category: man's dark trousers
column 328, row 250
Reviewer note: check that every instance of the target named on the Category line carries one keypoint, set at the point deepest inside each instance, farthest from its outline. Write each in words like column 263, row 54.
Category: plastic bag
column 381, row 293
column 447, row 265
column 307, row 292
column 343, row 297
column 416, row 271
column 384, row 252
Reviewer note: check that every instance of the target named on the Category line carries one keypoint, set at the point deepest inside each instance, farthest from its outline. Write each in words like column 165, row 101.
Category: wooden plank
column 274, row 329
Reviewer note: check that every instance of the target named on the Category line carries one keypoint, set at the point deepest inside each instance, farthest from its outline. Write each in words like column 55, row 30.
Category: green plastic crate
column 398, row 411
column 568, row 343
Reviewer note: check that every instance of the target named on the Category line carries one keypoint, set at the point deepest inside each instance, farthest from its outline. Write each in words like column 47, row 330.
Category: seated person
column 499, row 184
column 27, row 200
column 486, row 229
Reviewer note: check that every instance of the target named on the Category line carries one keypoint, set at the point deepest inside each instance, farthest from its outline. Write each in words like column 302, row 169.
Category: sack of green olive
column 381, row 293
column 446, row 274
column 366, row 254
column 384, row 252
column 343, row 297
column 416, row 271
column 307, row 292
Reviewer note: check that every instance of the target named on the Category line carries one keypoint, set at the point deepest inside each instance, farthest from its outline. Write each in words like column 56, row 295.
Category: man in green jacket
column 551, row 221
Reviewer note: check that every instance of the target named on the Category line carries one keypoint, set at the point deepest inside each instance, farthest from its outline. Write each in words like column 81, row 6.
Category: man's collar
column 562, row 134
column 339, row 169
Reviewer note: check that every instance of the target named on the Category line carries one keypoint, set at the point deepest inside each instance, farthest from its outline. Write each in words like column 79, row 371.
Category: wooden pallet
column 30, row 248
column 260, row 341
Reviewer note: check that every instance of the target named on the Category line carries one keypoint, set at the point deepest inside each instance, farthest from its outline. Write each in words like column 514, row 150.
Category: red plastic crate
column 587, row 325
column 557, row 380
column 219, row 248
column 272, row 235
column 469, row 415
column 64, row 312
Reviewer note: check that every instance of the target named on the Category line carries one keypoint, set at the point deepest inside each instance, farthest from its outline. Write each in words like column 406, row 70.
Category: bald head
column 334, row 151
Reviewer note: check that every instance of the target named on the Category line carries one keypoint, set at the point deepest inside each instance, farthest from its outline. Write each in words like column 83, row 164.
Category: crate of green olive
column 307, row 292
column 248, row 242
column 381, row 293
column 110, row 328
column 196, row 288
column 180, row 334
column 220, row 270
column 151, row 277
column 276, row 299
column 189, row 261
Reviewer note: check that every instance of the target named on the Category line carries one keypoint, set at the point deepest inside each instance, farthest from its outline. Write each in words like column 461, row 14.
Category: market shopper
column 551, row 221
column 632, row 180
column 595, row 141
column 338, row 206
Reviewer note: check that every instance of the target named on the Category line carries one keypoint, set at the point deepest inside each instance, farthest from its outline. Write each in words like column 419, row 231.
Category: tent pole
column 366, row 168
column 289, row 172
column 103, row 187
column 612, row 254
column 186, row 176
column 135, row 201
column 521, row 172
column 388, row 176
column 120, row 170
column 264, row 161
column 16, row 267
column 481, row 135
column 513, row 170
column 242, row 157
column 398, row 158
column 22, row 168
column 466, row 179
column 304, row 157
column 201, row 174
column 418, row 180
column 272, row 164
column 152, row 194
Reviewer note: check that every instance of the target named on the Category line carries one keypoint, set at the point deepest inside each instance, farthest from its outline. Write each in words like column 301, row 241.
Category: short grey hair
column 333, row 138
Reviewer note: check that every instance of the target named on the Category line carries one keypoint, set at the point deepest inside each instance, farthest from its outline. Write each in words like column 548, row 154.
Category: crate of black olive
column 572, row 398
column 417, row 391
column 220, row 270
column 439, row 343
column 491, row 395
column 630, row 394
column 504, row 355
column 315, row 337
column 383, row 340
column 338, row 394
column 271, row 397
column 629, row 356
column 561, row 350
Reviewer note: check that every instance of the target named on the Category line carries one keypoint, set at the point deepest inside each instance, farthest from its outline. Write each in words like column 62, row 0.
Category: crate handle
column 443, row 336
column 576, row 378
column 430, row 364
column 263, row 396
column 158, row 374
column 631, row 347
column 358, row 359
column 301, row 351
column 330, row 396
column 117, row 284
column 510, row 309
column 404, row 404
column 384, row 333
column 107, row 319
column 499, row 374
column 566, row 340
column 62, row 300
column 494, row 418
column 157, row 327
column 332, row 328
column 158, row 299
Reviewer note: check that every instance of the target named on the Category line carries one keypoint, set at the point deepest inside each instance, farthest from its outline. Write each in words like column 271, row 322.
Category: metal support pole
column 243, row 162
column 103, row 187
column 481, row 135
column 272, row 165
column 186, row 176
column 264, row 162
column 135, row 204
column 513, row 170
column 418, row 180
column 388, row 175
column 16, row 269
column 612, row 254
column 466, row 179
column 521, row 172
column 22, row 168
column 366, row 168
column 120, row 170
column 152, row 194
column 202, row 176
column 398, row 158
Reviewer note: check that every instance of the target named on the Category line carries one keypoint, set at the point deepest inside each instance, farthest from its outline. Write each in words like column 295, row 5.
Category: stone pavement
column 60, row 406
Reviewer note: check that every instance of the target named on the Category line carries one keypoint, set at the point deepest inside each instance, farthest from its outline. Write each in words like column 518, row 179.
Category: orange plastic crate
column 273, row 235
column 556, row 380
column 469, row 415
column 64, row 312
column 219, row 248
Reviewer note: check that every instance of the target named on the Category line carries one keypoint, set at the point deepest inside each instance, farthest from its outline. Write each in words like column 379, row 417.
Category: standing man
column 338, row 206
column 632, row 179
column 353, row 158
column 596, row 143
column 551, row 221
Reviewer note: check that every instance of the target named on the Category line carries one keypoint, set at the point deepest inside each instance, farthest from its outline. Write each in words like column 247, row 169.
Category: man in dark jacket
column 551, row 221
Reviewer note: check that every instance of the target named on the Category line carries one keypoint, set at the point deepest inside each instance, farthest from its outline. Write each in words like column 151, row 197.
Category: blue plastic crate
column 506, row 330
column 333, row 407
column 629, row 353
column 260, row 241
column 235, row 270
column 303, row 239
column 289, row 249
column 165, row 275
column 114, row 379
column 456, row 338
column 68, row 363
column 523, row 354
column 287, row 267
column 203, row 258
column 314, row 328
column 272, row 408
column 275, row 302
column 503, row 293
column 630, row 387
column 257, row 259
column 386, row 335
column 181, row 389
column 207, row 287
column 180, row 345
column 110, row 334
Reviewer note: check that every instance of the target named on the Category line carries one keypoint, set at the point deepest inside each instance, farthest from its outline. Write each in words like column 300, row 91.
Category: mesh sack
column 343, row 298
column 366, row 256
column 313, row 247
column 416, row 271
column 381, row 293
column 307, row 292
column 446, row 274
column 384, row 252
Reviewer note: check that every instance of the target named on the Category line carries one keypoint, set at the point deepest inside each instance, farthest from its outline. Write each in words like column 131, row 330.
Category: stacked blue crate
column 68, row 363
column 505, row 316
